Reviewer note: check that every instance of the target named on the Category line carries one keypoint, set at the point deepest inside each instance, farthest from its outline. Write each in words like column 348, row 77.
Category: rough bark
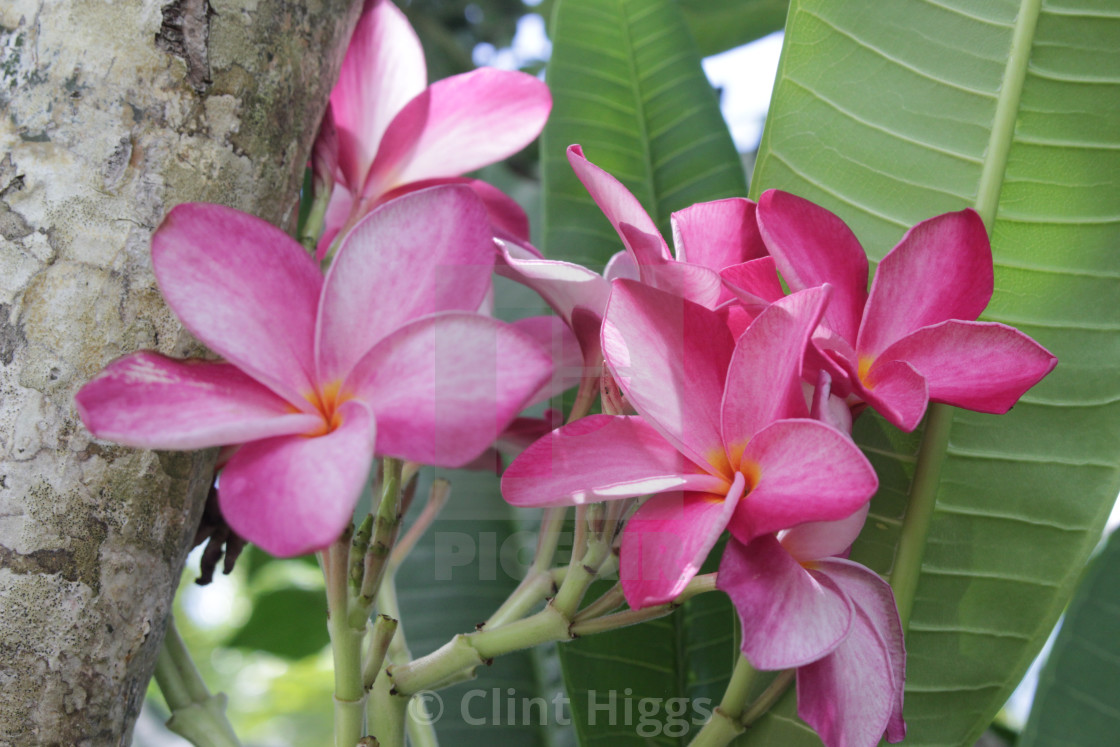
column 113, row 112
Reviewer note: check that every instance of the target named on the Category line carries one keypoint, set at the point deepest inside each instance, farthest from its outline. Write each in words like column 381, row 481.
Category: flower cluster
column 740, row 395
column 744, row 399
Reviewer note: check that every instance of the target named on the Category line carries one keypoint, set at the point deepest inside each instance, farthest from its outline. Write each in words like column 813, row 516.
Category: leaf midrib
column 935, row 438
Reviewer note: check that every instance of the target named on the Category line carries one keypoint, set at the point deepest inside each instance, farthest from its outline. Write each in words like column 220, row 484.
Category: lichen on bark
column 104, row 130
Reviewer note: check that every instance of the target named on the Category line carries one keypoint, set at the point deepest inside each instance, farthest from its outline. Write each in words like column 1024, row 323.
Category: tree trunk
column 113, row 112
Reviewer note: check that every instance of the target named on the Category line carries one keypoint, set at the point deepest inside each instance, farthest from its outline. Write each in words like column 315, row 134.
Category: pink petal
column 563, row 285
column 601, row 457
column 670, row 358
column 667, row 540
column 506, row 216
column 764, row 377
column 821, row 539
column 559, row 343
column 897, row 392
column 874, row 597
column 243, row 287
column 421, row 253
column 718, row 234
column 790, row 617
column 148, row 401
column 620, row 206
column 805, row 471
column 459, row 124
column 812, row 247
column 980, row 366
column 293, row 494
column 942, row 269
column 443, row 387
column 755, row 283
column 621, row 266
column 383, row 69
column 697, row 283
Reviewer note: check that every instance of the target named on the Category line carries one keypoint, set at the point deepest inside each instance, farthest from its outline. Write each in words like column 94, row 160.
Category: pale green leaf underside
column 885, row 112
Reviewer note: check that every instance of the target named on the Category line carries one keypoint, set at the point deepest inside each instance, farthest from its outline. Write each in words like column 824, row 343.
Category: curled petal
column 980, row 366
column 896, row 391
column 564, row 286
column 443, row 387
column 235, row 281
column 295, row 494
column 601, row 457
column 875, row 598
column 790, row 617
column 942, row 269
column 620, row 206
column 151, row 402
column 667, row 540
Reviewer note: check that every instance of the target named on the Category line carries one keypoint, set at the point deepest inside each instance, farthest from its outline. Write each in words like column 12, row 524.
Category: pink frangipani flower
column 803, row 606
column 388, row 132
column 319, row 373
column 913, row 338
column 724, row 422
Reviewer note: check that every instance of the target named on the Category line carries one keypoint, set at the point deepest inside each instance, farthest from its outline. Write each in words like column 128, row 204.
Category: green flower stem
column 587, row 623
column 346, row 643
column 387, row 713
column 313, row 227
column 732, row 716
column 386, row 524
column 466, row 652
column 537, row 583
column 533, row 589
column 720, row 730
column 196, row 715
column 738, row 688
column 585, row 398
column 381, row 631
column 585, row 567
column 609, row 602
column 438, row 496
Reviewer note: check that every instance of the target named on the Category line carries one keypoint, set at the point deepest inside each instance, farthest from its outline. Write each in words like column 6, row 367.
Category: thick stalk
column 196, row 715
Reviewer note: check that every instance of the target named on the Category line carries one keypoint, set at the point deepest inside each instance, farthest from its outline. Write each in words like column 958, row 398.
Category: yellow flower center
column 327, row 402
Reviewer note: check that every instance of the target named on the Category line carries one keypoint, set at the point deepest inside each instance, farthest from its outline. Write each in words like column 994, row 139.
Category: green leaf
column 290, row 623
column 627, row 85
column 719, row 25
column 665, row 676
column 887, row 113
column 1078, row 691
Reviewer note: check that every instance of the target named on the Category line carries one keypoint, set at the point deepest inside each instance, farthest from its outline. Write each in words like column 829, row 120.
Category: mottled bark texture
column 113, row 112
